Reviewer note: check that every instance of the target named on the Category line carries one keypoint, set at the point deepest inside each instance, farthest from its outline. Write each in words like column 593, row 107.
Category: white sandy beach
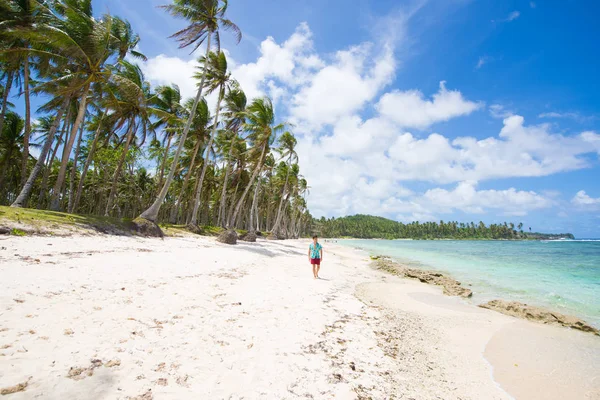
column 106, row 317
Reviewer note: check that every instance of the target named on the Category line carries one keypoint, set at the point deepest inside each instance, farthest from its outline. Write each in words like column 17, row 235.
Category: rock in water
column 249, row 237
column 146, row 227
column 538, row 314
column 229, row 236
column 451, row 286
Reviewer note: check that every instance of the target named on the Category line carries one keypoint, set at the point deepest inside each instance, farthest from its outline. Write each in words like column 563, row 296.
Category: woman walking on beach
column 315, row 255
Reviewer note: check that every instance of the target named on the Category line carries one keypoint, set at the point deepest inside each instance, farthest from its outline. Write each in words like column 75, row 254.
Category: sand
column 106, row 317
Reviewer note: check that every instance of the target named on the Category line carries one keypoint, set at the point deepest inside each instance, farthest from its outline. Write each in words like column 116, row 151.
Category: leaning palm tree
column 79, row 46
column 199, row 131
column 287, row 149
column 167, row 99
column 206, row 17
column 262, row 131
column 235, row 102
column 214, row 68
column 130, row 98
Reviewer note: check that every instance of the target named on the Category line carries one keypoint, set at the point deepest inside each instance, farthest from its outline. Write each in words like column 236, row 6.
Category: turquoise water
column 561, row 275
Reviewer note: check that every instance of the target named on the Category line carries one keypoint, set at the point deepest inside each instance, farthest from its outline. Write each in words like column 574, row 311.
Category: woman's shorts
column 316, row 261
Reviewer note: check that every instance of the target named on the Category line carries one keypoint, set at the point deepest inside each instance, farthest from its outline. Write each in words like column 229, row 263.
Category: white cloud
column 482, row 61
column 344, row 86
column 582, row 199
column 512, row 16
column 164, row 70
column 292, row 63
column 566, row 115
column 466, row 198
column 411, row 110
column 499, row 111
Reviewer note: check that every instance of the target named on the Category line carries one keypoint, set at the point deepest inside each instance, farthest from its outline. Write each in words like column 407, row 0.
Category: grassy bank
column 27, row 221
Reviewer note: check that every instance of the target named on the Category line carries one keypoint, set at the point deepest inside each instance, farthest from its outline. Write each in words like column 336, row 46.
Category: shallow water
column 561, row 275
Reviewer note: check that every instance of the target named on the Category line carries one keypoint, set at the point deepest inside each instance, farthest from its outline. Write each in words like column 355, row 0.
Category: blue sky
column 470, row 110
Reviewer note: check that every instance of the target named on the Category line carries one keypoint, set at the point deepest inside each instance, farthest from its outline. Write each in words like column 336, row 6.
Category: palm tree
column 130, row 97
column 11, row 139
column 167, row 99
column 20, row 16
column 262, row 131
column 126, row 39
column 235, row 102
column 206, row 17
column 214, row 68
column 199, row 131
column 287, row 149
column 79, row 45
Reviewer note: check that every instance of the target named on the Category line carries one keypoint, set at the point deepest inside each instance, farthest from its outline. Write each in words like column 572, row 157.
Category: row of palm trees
column 103, row 125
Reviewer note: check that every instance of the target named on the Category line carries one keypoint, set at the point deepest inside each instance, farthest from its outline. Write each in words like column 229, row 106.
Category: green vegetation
column 17, row 232
column 102, row 127
column 370, row 227
column 44, row 221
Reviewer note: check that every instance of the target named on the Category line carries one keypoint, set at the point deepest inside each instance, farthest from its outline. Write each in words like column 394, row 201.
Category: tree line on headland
column 103, row 127
column 370, row 227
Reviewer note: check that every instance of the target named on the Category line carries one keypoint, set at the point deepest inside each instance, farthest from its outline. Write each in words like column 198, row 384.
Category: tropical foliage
column 105, row 142
column 369, row 227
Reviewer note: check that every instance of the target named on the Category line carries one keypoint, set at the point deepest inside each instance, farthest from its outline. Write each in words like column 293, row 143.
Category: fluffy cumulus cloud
column 582, row 199
column 411, row 110
column 466, row 197
column 343, row 86
column 164, row 70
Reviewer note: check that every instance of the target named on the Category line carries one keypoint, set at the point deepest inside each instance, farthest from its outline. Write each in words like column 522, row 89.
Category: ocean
column 562, row 275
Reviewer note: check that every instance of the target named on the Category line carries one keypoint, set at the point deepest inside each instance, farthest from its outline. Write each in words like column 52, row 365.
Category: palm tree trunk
column 176, row 208
column 254, row 206
column 44, row 186
column 27, row 132
column 278, row 215
column 235, row 192
column 222, row 217
column 55, row 201
column 240, row 202
column 194, row 219
column 23, row 197
column 9, row 80
column 74, row 169
column 87, row 164
column 113, row 187
column 164, row 161
column 151, row 213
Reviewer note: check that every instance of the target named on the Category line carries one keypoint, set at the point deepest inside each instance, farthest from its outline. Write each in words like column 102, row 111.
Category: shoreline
column 136, row 318
column 540, row 313
column 452, row 287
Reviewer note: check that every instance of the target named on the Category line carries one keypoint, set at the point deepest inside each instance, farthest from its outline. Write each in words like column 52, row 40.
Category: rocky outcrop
column 452, row 287
column 229, row 237
column 249, row 237
column 538, row 314
column 146, row 227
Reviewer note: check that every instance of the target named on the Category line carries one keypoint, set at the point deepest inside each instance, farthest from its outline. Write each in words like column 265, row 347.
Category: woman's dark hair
column 315, row 237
